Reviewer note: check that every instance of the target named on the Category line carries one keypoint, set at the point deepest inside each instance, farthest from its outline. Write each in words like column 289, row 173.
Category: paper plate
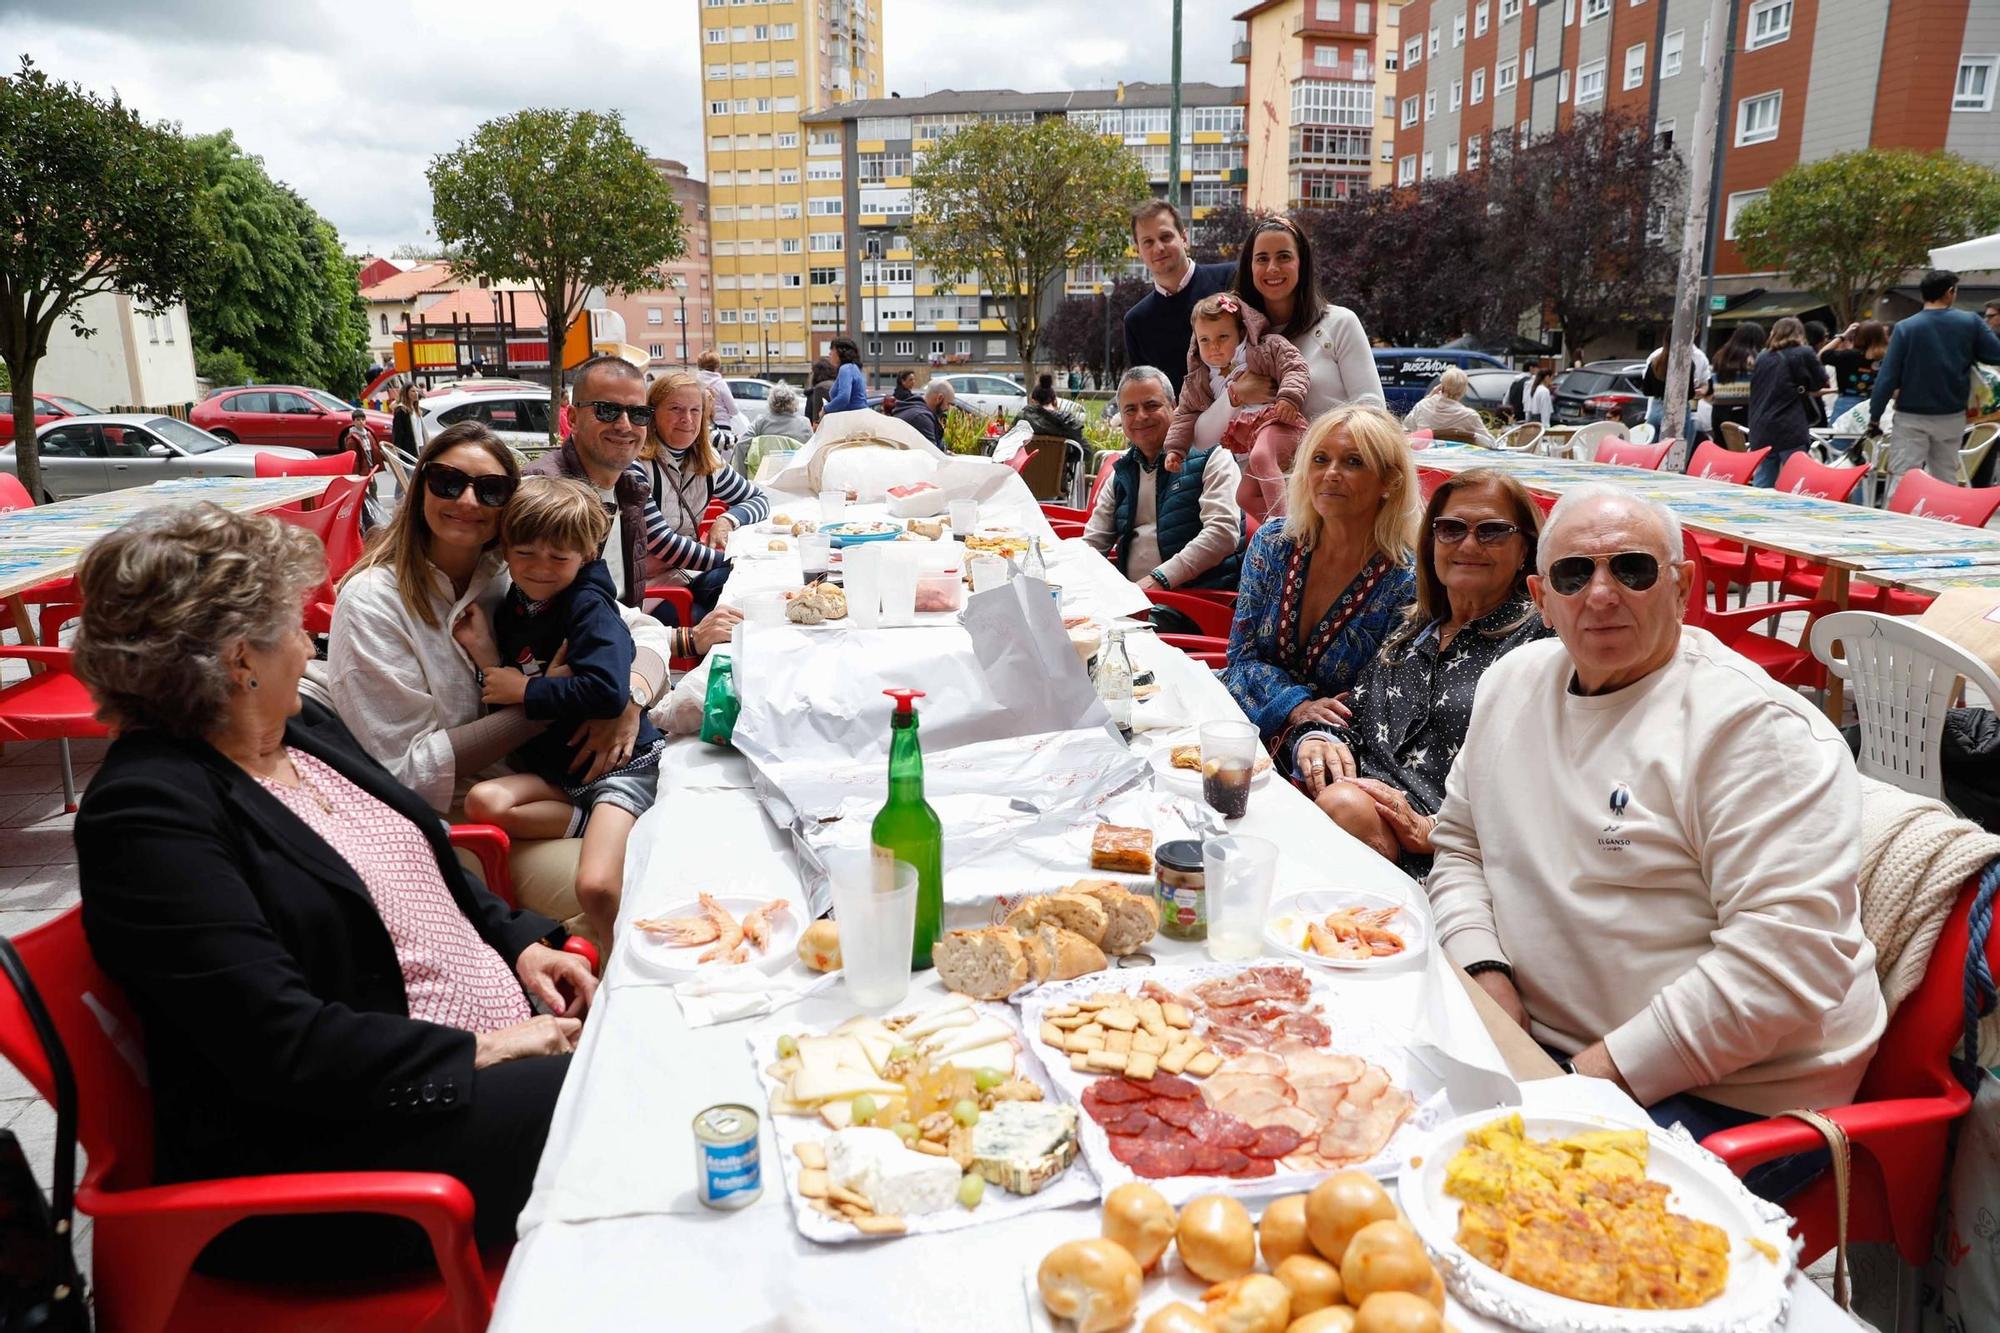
column 1285, row 928
column 1187, row 781
column 849, row 534
column 657, row 957
column 1701, row 1188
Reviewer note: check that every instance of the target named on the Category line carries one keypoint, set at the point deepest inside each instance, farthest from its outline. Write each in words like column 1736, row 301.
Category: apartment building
column 673, row 321
column 1806, row 79
column 1319, row 97
column 773, row 219
column 876, row 288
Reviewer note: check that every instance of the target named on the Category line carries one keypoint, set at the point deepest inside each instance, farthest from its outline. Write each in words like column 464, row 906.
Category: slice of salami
column 1133, row 1123
column 1174, row 1110
column 1255, row 1166
column 1168, row 1085
column 1159, row 1160
column 1127, row 1149
column 1210, row 1160
column 1221, row 1129
column 1273, row 1141
column 1122, row 1090
column 1165, row 1132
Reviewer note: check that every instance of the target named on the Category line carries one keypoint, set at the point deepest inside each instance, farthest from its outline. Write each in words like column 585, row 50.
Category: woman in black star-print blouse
column 1381, row 775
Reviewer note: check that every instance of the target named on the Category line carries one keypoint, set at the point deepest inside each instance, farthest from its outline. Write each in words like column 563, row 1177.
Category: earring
column 253, row 682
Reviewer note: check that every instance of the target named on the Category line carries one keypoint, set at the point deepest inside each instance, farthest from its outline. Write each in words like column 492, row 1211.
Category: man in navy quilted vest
column 1171, row 529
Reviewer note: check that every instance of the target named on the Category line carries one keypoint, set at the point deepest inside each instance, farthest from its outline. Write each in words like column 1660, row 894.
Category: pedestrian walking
column 1729, row 377
column 1784, row 386
column 1928, row 371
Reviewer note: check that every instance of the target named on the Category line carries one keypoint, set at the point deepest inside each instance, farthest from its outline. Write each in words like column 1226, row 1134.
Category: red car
column 285, row 414
column 48, row 407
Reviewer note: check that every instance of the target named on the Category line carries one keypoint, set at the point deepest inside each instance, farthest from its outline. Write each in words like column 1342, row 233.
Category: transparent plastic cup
column 815, row 553
column 832, row 507
column 964, row 517
column 1237, row 871
column 988, row 571
column 1228, row 762
column 875, row 907
column 861, row 577
column 898, row 573
column 764, row 608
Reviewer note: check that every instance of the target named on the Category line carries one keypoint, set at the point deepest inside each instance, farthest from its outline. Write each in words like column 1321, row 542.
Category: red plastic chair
column 340, row 464
column 1065, row 514
column 1628, row 454
column 336, row 521
column 1020, row 458
column 1900, row 1122
column 1713, row 462
column 1922, row 496
column 681, row 598
column 13, row 495
column 1212, row 616
column 1787, row 663
column 1743, row 565
column 50, row 705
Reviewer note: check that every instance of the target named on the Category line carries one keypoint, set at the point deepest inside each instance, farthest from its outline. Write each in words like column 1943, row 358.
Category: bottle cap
column 904, row 700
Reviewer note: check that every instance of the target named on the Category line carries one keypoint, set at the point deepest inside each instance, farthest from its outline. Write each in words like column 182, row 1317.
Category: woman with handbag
column 1785, row 384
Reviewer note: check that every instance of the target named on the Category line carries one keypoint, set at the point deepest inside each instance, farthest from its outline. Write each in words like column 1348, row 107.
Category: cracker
column 813, row 1183
column 1080, row 1062
column 1177, row 1015
column 1124, row 1020
column 1141, row 1065
column 1118, row 1041
column 1053, row 1036
column 810, row 1153
column 1204, row 1064
column 1084, row 1043
column 1109, row 1061
column 1066, row 1022
column 1088, row 1030
column 881, row 1226
column 1145, row 1043
column 840, row 1194
column 1176, row 1059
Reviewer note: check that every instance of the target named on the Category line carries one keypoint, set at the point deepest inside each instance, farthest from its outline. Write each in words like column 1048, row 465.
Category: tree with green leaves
column 1012, row 207
column 1849, row 226
column 564, row 201
column 92, row 200
column 282, row 296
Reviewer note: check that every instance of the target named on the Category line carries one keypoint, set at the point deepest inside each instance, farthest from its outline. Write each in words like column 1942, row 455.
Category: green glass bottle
column 908, row 830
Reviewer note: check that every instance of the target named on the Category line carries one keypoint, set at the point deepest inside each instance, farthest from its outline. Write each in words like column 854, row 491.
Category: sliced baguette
column 1072, row 911
column 1040, row 962
column 1131, row 919
column 986, row 964
column 1070, row 954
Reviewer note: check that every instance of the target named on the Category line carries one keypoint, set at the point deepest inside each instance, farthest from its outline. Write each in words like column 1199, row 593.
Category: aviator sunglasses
column 607, row 413
column 448, row 483
column 1452, row 531
column 1637, row 570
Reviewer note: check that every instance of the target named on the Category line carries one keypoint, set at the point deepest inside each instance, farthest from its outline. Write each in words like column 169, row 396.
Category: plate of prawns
column 1345, row 928
column 717, row 930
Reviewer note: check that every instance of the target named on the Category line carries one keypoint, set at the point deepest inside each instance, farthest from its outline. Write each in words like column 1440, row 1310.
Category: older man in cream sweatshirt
column 1647, row 851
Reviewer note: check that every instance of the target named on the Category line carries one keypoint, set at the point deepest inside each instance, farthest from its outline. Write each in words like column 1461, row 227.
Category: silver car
column 87, row 455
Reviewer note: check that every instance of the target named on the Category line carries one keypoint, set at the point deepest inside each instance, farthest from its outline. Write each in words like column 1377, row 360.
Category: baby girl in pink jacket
column 1229, row 339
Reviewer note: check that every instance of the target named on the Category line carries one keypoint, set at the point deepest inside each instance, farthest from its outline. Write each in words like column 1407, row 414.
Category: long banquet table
column 614, row 1235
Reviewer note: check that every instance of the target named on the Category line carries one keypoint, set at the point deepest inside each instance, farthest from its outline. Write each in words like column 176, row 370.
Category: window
column 1479, row 19
column 719, row 108
column 1595, row 9
column 1569, row 12
column 1389, row 105
column 718, row 143
column 883, row 127
column 1974, row 90
column 1736, row 204
column 1510, row 9
column 1757, row 118
column 826, row 277
column 1635, row 65
column 1413, row 52
column 1458, row 31
column 962, row 346
column 996, row 347
column 790, row 140
column 1590, row 83
column 787, row 68
column 1473, row 147
column 1409, row 111
column 1670, row 52
column 1562, row 88
column 906, row 347
column 739, row 34
column 716, row 36
column 760, row 32
column 784, row 32
column 1391, row 61
column 1434, row 41
column 718, row 71
column 824, row 241
column 1504, row 75
column 655, row 315
column 788, row 104
column 1451, row 158
column 1663, row 135
column 1430, row 104
column 1430, row 168
column 1457, row 93
column 1527, row 63
column 788, row 175
column 1478, row 86
column 1321, row 102
column 1406, row 171
column 658, row 351
column 828, row 207
column 823, row 171
column 788, row 211
column 791, row 280
column 1770, row 23
column 385, row 323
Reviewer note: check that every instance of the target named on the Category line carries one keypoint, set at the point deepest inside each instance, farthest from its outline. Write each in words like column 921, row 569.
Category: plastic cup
column 1238, row 871
column 875, row 907
column 764, row 608
column 815, row 553
column 861, row 577
column 898, row 566
column 1228, row 762
column 832, row 507
column 988, row 572
column 964, row 517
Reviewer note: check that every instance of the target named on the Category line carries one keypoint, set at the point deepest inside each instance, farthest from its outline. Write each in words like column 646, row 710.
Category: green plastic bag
column 720, row 704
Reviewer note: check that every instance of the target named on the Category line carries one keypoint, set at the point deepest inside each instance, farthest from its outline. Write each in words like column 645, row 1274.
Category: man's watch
column 1161, row 579
column 642, row 695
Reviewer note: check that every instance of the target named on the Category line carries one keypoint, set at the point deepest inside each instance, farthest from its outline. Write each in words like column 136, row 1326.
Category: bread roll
column 1216, row 1239
column 819, row 946
column 1139, row 1217
column 1281, row 1232
column 1131, row 919
column 1094, row 1282
column 1341, row 1205
column 1384, row 1256
column 1397, row 1312
column 1254, row 1303
column 1179, row 1317
column 1072, row 911
column 1070, row 954
column 988, row 964
column 1333, row 1319
column 1314, row 1283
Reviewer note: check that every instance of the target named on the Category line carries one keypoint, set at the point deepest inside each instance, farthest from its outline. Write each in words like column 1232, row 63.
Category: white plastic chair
column 1973, row 449
column 1583, row 444
column 1903, row 678
column 1520, row 439
column 1642, row 433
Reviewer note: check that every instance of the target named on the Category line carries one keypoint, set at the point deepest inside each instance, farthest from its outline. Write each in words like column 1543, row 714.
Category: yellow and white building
column 1319, row 99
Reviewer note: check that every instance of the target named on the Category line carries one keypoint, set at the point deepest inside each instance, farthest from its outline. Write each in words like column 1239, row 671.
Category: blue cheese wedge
column 1022, row 1146
column 898, row 1181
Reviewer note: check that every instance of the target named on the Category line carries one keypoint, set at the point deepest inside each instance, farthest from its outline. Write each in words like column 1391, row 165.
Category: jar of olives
column 1180, row 889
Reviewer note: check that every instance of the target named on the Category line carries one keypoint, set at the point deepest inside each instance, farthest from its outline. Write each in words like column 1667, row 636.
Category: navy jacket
column 1930, row 359
column 1158, row 328
column 585, row 616
column 1176, row 518
column 916, row 413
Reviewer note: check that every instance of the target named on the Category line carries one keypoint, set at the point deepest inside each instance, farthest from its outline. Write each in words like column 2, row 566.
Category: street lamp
column 758, row 301
column 1104, row 289
column 678, row 286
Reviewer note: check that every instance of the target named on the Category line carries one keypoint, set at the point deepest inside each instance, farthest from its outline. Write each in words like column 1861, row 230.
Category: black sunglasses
column 609, row 412
column 448, row 483
column 1637, row 570
column 1452, row 531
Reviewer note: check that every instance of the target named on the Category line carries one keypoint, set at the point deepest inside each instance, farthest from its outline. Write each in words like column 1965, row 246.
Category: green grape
column 965, row 1112
column 988, row 1078
column 905, row 1131
column 864, row 1109
column 971, row 1189
column 903, row 1052
column 788, row 1046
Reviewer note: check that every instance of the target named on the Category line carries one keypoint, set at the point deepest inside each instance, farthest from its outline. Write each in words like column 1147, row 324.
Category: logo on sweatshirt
column 1617, row 802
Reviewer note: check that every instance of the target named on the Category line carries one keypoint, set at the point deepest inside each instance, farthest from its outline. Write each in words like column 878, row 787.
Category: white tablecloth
column 614, row 1235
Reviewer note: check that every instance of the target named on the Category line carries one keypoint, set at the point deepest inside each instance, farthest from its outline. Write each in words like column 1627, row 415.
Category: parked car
column 749, row 393
column 48, row 407
column 1409, row 372
column 517, row 411
column 84, row 455
column 987, row 393
column 1601, row 391
column 282, row 414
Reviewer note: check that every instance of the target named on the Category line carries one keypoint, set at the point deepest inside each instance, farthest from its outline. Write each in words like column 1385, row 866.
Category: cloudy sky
column 348, row 101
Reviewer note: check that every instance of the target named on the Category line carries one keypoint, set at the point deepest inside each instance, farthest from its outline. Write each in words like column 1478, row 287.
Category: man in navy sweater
column 1928, row 369
column 1159, row 327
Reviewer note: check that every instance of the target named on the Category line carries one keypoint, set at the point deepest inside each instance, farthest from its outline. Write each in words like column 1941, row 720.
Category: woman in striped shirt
column 686, row 473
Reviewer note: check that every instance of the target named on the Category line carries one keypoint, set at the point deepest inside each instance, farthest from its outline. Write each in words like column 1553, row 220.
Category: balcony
column 1309, row 24
column 1239, row 52
column 1347, row 73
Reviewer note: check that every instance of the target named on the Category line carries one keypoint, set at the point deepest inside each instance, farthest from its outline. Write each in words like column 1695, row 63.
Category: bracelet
column 1489, row 965
column 1160, row 579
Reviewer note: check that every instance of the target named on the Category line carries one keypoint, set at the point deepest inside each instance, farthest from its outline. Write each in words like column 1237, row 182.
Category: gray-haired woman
column 321, row 985
column 783, row 415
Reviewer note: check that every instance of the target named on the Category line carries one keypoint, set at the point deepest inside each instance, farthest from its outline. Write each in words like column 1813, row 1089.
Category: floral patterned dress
column 1270, row 672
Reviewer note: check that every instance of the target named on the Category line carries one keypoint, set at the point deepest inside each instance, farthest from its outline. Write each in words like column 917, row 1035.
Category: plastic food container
column 940, row 591
column 1180, row 888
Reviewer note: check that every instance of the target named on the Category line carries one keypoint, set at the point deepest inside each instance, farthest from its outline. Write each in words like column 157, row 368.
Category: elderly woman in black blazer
column 322, row 986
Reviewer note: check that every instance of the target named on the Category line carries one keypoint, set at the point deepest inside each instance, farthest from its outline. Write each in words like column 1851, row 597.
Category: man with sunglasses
column 1648, row 850
column 608, row 421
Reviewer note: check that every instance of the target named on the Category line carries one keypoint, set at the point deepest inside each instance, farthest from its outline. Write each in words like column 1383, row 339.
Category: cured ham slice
column 1359, row 1130
column 1255, row 983
column 1296, row 1118
column 1251, row 1062
column 1316, row 1067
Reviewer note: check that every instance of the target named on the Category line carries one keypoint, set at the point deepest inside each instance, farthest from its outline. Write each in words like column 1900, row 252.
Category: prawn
column 681, row 931
column 1353, row 933
column 729, row 946
column 757, row 923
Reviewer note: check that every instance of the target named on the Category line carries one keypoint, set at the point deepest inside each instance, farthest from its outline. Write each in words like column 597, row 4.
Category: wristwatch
column 1161, row 579
column 642, row 695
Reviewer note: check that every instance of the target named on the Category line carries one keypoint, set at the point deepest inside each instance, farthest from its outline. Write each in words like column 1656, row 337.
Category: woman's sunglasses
column 448, row 483
column 610, row 412
column 1637, row 570
column 1452, row 531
